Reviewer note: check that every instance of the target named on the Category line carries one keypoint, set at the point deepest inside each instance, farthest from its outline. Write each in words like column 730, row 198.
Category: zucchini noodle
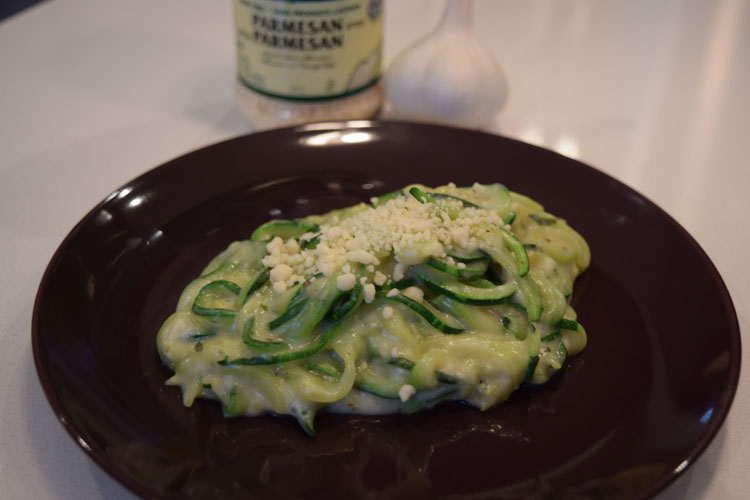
column 422, row 296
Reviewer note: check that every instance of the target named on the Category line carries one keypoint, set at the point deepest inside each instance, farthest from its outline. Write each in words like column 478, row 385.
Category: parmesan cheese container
column 304, row 61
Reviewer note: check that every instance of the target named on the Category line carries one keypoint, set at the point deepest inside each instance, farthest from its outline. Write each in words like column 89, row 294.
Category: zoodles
column 422, row 296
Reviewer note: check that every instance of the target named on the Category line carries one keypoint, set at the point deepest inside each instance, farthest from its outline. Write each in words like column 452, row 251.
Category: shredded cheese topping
column 403, row 227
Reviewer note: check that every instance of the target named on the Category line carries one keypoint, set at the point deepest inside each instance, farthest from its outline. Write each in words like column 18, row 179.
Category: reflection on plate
column 629, row 414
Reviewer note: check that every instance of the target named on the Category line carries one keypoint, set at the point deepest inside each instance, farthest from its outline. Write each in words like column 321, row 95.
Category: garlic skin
column 447, row 77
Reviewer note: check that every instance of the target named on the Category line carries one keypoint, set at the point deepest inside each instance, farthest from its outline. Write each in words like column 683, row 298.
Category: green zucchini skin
column 428, row 398
column 284, row 229
column 467, row 257
column 384, row 198
column 211, row 292
column 293, row 310
column 310, row 244
column 381, row 379
column 325, row 369
column 519, row 252
column 551, row 360
column 310, row 307
column 473, row 269
column 421, row 196
column 543, row 219
column 425, row 313
column 253, row 285
column 285, row 356
column 465, row 203
column 259, row 345
column 447, row 284
column 404, row 363
column 567, row 324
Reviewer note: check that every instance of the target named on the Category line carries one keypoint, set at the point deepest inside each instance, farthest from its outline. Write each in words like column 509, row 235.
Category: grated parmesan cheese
column 406, row 391
column 346, row 282
column 414, row 293
column 369, row 291
column 388, row 237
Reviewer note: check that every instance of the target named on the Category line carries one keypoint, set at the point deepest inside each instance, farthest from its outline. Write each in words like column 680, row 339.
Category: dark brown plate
column 629, row 414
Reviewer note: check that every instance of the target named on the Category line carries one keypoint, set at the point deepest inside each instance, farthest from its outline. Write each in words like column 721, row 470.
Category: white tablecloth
column 95, row 92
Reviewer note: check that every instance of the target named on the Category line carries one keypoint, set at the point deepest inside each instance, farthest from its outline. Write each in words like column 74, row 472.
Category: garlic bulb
column 448, row 77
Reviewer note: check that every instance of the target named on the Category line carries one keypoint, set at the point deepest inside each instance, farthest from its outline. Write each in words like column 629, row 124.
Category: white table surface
column 95, row 92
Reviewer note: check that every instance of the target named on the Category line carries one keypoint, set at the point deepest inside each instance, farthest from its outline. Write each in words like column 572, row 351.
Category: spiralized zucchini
column 422, row 296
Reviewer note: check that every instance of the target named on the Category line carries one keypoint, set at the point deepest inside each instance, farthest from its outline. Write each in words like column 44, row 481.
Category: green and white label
column 309, row 50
